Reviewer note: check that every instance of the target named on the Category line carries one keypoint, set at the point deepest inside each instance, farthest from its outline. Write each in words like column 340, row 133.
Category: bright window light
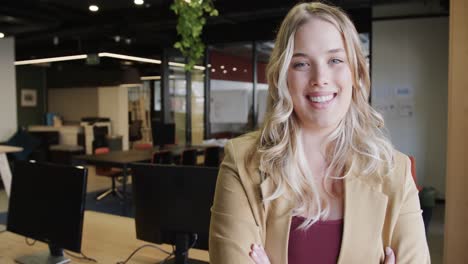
column 2, row 35
column 139, row 2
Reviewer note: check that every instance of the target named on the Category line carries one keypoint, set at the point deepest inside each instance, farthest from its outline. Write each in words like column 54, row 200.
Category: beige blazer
column 378, row 212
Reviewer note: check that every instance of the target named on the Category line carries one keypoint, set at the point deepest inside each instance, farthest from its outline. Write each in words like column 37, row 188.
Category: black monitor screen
column 173, row 199
column 47, row 203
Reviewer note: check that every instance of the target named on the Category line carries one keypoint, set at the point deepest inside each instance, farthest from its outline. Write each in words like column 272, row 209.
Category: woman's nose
column 319, row 75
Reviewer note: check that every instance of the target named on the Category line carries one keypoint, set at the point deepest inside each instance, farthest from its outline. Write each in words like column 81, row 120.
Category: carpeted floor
column 110, row 204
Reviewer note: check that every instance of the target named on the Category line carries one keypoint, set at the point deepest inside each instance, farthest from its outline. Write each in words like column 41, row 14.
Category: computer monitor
column 47, row 204
column 172, row 206
column 163, row 133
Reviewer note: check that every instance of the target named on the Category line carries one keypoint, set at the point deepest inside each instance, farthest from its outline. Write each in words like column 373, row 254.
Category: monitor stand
column 181, row 251
column 54, row 256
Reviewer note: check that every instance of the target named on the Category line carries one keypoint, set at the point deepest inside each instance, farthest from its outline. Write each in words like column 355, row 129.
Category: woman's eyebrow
column 299, row 54
column 338, row 50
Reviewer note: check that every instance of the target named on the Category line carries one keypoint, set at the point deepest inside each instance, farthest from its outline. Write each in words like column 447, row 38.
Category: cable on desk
column 82, row 257
column 141, row 247
column 29, row 243
column 167, row 258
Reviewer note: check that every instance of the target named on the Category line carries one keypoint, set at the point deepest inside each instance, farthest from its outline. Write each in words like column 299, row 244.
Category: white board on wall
column 229, row 106
column 409, row 87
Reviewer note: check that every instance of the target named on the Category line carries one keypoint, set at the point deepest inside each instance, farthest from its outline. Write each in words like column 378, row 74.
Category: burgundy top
column 320, row 243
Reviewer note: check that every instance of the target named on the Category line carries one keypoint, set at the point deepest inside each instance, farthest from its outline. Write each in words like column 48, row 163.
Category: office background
column 409, row 52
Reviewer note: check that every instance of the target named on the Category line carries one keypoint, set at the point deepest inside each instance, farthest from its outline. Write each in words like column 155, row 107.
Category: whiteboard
column 229, row 106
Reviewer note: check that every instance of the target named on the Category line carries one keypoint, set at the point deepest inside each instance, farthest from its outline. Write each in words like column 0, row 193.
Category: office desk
column 123, row 159
column 5, row 171
column 117, row 159
column 106, row 238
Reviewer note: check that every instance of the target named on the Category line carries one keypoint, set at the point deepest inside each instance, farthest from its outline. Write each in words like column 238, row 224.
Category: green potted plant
column 191, row 20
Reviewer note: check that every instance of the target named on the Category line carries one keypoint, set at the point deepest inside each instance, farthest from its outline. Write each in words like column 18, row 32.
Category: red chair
column 110, row 172
column 413, row 172
column 142, row 146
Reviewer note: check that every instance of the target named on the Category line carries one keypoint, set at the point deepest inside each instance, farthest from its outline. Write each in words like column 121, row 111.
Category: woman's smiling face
column 319, row 77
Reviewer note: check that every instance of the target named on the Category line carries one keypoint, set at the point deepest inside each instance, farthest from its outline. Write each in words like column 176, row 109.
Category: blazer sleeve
column 232, row 228
column 409, row 239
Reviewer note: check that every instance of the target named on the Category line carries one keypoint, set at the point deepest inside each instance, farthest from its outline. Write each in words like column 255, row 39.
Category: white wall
column 8, row 115
column 73, row 103
column 113, row 103
column 412, row 55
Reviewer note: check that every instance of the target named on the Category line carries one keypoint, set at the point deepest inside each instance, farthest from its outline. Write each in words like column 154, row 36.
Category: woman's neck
column 314, row 141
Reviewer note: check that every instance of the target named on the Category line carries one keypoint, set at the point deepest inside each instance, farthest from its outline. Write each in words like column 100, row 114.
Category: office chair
column 212, row 156
column 110, row 172
column 413, row 172
column 189, row 157
column 100, row 137
column 143, row 146
column 162, row 157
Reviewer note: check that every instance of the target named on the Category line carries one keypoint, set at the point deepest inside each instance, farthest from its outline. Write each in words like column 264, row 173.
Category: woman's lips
column 321, row 100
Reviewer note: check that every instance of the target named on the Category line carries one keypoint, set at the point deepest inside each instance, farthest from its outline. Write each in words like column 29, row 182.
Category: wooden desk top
column 106, row 238
column 116, row 158
column 9, row 149
column 125, row 157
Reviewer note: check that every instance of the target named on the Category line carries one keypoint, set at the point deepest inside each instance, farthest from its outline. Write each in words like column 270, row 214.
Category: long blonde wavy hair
column 358, row 143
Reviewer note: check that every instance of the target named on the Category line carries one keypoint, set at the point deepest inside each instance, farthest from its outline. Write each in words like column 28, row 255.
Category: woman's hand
column 259, row 256
column 389, row 256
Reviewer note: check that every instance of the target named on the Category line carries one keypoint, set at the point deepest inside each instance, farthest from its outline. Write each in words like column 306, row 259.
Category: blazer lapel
column 364, row 216
column 277, row 219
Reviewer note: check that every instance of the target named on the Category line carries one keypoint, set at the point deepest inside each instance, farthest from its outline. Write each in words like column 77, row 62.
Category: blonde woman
column 320, row 182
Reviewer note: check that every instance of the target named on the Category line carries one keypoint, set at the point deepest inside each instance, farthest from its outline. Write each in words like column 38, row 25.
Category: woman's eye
column 336, row 61
column 300, row 65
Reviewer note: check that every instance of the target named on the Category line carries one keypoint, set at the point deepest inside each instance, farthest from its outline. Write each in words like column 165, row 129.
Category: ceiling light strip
column 148, row 78
column 54, row 59
column 126, row 57
column 104, row 54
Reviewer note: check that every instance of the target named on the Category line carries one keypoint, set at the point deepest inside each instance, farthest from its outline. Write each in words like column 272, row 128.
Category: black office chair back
column 189, row 157
column 100, row 137
column 162, row 157
column 212, row 156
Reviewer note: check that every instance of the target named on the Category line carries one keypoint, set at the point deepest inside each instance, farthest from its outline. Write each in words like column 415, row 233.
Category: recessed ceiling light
column 224, row 71
column 222, row 67
column 2, row 35
column 93, row 8
column 234, row 69
column 138, row 2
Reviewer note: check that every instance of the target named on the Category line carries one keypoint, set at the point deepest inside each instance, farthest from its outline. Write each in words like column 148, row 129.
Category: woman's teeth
column 320, row 99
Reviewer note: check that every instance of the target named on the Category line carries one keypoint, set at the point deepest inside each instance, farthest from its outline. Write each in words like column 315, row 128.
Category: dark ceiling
column 44, row 28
